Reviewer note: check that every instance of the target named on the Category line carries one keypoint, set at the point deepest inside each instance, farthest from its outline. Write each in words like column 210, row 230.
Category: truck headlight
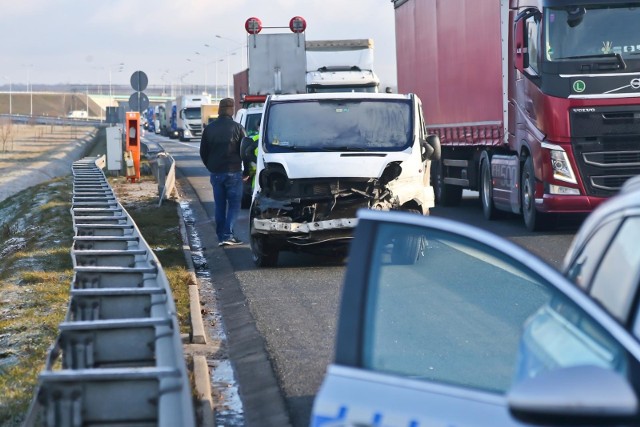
column 561, row 167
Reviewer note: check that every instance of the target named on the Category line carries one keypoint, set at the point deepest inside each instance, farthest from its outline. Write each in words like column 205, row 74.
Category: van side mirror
column 431, row 148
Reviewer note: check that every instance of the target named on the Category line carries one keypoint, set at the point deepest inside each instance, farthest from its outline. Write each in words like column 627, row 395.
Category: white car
column 476, row 332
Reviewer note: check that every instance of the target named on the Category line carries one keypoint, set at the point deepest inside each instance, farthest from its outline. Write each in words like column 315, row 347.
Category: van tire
column 262, row 253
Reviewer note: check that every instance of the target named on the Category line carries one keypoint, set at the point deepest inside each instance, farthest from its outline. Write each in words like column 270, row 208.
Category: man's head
column 226, row 107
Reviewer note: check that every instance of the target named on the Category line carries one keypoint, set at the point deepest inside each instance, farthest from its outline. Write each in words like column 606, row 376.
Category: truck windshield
column 192, row 113
column 587, row 31
column 324, row 89
column 340, row 125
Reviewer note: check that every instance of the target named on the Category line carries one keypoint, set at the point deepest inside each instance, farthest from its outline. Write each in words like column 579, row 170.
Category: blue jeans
column 227, row 196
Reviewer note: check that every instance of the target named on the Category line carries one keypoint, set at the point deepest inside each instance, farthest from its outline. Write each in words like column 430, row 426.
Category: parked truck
column 208, row 113
column 169, row 127
column 160, row 117
column 340, row 66
column 188, row 115
column 277, row 64
column 536, row 102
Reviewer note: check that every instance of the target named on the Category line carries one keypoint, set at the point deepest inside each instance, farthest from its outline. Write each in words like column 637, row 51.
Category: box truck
column 341, row 66
column 189, row 115
column 536, row 102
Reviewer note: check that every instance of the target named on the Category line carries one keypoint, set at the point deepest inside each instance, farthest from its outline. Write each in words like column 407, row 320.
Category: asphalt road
column 289, row 318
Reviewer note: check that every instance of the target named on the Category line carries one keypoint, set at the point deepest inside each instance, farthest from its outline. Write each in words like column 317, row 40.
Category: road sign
column 139, row 81
column 138, row 101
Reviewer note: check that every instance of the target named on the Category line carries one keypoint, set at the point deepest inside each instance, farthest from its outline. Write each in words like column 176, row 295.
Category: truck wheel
column 407, row 246
column 486, row 192
column 533, row 220
column 446, row 194
column 263, row 254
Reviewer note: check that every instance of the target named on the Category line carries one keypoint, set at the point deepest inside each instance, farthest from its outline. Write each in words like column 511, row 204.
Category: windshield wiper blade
column 343, row 148
column 617, row 56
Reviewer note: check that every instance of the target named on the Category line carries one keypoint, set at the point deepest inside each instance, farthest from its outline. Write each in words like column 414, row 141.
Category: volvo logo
column 635, row 83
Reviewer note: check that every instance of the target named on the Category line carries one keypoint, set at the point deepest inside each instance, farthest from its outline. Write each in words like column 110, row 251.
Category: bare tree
column 6, row 129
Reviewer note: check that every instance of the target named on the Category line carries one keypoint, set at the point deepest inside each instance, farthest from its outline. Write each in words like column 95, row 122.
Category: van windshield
column 339, row 125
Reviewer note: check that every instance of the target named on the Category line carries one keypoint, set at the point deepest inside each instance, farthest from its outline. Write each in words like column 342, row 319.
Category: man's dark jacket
column 220, row 146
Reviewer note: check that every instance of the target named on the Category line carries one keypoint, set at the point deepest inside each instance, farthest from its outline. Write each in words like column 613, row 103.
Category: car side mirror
column 574, row 394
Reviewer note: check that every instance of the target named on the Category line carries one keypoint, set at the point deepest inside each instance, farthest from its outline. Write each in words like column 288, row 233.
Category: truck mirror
column 521, row 60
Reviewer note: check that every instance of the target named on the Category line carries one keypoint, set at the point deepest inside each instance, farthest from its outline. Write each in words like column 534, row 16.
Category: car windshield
column 360, row 125
column 592, row 31
column 192, row 113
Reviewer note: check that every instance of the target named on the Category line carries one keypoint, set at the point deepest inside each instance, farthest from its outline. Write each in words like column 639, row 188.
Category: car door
column 473, row 331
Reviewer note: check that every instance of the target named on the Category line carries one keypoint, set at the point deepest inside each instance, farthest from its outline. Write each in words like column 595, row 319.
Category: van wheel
column 262, row 253
column 446, row 194
column 407, row 246
column 486, row 192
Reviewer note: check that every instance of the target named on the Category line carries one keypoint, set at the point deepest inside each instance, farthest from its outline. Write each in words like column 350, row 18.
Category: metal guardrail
column 118, row 358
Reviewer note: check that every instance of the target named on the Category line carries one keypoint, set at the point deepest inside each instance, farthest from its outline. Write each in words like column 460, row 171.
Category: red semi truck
column 536, row 102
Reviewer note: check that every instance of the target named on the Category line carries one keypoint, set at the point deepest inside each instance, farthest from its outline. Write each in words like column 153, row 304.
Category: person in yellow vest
column 249, row 154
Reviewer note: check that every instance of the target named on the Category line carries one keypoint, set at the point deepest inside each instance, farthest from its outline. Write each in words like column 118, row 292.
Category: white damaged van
column 321, row 157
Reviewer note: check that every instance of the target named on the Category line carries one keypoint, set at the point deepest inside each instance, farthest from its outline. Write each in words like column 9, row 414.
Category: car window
column 585, row 264
column 465, row 315
column 615, row 282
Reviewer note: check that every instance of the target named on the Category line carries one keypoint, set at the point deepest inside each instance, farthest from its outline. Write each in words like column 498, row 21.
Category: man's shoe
column 221, row 244
column 231, row 242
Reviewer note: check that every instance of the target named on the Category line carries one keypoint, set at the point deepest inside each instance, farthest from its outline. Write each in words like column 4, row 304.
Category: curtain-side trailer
column 537, row 102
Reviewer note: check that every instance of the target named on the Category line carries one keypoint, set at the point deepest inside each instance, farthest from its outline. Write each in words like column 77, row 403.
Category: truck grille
column 606, row 145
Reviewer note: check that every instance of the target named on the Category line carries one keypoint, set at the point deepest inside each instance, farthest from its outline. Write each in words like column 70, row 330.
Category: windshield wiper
column 342, row 148
column 621, row 64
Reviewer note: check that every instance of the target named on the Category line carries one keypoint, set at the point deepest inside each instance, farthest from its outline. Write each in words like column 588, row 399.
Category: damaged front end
column 299, row 213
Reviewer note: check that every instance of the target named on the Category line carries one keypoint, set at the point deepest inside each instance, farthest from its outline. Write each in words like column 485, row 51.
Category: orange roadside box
column 133, row 144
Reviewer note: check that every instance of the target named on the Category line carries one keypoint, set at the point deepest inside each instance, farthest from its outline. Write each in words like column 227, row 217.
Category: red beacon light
column 253, row 25
column 297, row 24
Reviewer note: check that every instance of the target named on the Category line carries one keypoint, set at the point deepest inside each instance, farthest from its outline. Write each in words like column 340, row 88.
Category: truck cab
column 189, row 116
column 321, row 157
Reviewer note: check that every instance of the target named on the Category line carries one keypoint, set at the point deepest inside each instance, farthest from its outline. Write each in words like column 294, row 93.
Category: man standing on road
column 220, row 153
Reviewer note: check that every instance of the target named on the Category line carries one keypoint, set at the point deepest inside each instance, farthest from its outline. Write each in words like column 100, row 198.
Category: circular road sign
column 139, row 81
column 298, row 24
column 138, row 101
column 253, row 25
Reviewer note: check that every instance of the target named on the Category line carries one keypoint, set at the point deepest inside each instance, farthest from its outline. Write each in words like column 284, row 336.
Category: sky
column 85, row 41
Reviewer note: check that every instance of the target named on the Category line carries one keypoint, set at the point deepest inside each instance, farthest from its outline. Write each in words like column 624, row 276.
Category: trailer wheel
column 446, row 194
column 486, row 192
column 533, row 220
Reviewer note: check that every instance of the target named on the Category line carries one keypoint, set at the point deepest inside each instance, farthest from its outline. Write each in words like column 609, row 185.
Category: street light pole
column 10, row 96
